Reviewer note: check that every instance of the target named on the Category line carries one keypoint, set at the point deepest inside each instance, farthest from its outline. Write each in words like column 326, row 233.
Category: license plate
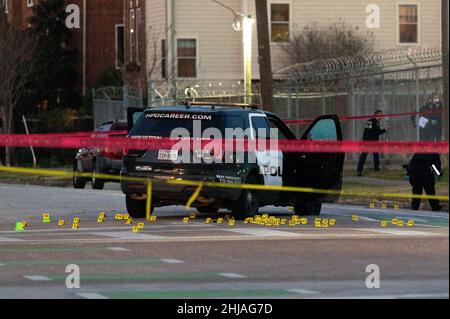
column 167, row 155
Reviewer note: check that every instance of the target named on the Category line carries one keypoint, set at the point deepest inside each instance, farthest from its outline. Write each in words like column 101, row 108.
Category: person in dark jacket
column 372, row 132
column 421, row 171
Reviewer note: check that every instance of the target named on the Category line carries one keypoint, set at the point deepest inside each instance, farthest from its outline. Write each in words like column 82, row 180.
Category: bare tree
column 333, row 40
column 16, row 67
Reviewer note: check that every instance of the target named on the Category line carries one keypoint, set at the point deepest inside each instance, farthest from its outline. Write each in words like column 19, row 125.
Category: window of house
column 279, row 22
column 132, row 35
column 408, row 23
column 187, row 58
column 120, row 45
column 5, row 6
column 163, row 59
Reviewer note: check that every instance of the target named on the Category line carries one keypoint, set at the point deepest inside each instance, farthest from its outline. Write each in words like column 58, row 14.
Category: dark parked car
column 99, row 161
column 317, row 170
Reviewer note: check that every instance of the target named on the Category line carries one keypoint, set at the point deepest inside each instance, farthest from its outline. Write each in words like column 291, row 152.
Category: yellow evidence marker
column 193, row 216
column 411, row 223
column 76, row 220
column 141, row 226
column 219, row 220
column 355, row 218
column 61, row 222
column 396, row 207
column 208, row 220
column 400, row 223
column 304, row 221
column 100, row 219
column 384, row 223
column 318, row 224
column 332, row 222
column 232, row 222
column 384, row 206
column 153, row 218
column 283, row 221
column 186, row 220
column 394, row 221
column 135, row 229
column 46, row 218
column 19, row 227
column 372, row 205
column 129, row 221
column 126, row 217
column 119, row 217
column 75, row 226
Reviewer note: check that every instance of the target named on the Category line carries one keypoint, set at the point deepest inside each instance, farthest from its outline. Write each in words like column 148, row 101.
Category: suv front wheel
column 248, row 204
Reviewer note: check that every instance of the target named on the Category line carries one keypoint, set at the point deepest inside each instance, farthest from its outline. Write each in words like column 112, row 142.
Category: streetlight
column 247, row 32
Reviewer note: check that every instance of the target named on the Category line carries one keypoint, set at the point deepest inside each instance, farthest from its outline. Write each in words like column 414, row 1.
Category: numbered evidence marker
column 231, row 222
column 384, row 206
column 141, row 226
column 119, row 217
column 394, row 221
column 19, row 227
column 100, row 219
column 411, row 223
column 219, row 220
column 332, row 222
column 372, row 205
column 304, row 221
column 75, row 226
column 186, row 220
column 400, row 223
column 129, row 221
column 135, row 229
column 76, row 220
column 355, row 218
column 153, row 218
column 61, row 222
column 193, row 216
column 208, row 220
column 384, row 223
column 46, row 218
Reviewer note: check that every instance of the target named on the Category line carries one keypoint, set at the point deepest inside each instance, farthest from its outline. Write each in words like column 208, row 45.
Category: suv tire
column 78, row 182
column 137, row 207
column 97, row 183
column 248, row 203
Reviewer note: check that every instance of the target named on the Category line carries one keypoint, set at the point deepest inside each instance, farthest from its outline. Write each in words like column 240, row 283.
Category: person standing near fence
column 372, row 132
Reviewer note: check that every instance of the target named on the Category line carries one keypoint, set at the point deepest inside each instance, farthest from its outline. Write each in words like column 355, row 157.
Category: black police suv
column 274, row 168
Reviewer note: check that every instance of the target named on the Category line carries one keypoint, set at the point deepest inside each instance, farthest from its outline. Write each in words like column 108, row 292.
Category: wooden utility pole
column 444, row 19
column 265, row 62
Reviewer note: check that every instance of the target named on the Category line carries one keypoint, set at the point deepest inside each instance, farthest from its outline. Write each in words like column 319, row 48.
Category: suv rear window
column 163, row 123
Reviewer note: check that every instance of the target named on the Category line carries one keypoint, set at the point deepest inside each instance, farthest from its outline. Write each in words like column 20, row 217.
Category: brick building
column 99, row 40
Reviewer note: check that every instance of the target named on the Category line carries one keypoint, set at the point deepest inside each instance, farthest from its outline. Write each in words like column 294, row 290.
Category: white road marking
column 398, row 232
column 91, row 296
column 368, row 219
column 303, row 291
column 172, row 261
column 126, row 235
column 260, row 232
column 6, row 239
column 2, row 265
column 231, row 275
column 118, row 249
column 37, row 278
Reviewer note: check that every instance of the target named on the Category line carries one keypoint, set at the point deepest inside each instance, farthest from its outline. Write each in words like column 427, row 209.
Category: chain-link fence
column 111, row 103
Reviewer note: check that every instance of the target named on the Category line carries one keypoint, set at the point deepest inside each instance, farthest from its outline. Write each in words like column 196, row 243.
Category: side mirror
column 133, row 115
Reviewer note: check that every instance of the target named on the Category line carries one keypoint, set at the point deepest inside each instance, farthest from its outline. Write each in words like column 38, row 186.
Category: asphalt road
column 172, row 259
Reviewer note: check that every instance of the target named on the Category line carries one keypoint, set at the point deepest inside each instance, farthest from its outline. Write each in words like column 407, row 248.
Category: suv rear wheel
column 308, row 209
column 78, row 182
column 97, row 183
column 137, row 207
column 248, row 204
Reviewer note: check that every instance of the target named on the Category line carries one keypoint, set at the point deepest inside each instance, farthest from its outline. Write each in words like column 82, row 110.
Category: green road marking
column 193, row 276
column 21, row 250
column 183, row 294
column 82, row 262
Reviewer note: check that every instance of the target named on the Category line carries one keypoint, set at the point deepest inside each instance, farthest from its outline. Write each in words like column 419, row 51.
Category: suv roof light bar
column 221, row 104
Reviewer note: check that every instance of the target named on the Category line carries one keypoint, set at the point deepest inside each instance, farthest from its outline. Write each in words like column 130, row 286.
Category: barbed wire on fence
column 342, row 67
